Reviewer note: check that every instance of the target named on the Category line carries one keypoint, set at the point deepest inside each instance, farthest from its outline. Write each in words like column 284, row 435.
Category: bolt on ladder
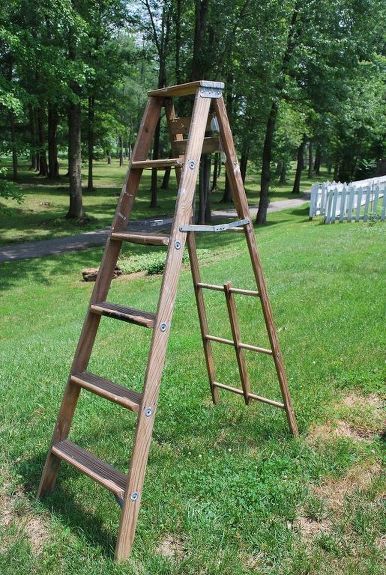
column 208, row 107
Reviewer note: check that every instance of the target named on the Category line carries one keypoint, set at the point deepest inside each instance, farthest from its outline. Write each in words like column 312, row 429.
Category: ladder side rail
column 101, row 287
column 195, row 270
column 202, row 316
column 241, row 204
column 161, row 331
column 240, row 353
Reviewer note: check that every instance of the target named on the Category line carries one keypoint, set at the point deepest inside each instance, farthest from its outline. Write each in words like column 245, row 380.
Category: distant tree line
column 304, row 81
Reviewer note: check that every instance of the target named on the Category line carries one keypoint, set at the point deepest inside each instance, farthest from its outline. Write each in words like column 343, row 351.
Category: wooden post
column 161, row 331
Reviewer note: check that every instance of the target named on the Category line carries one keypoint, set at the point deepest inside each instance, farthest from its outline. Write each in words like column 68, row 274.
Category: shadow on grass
column 299, row 212
column 44, row 270
column 61, row 501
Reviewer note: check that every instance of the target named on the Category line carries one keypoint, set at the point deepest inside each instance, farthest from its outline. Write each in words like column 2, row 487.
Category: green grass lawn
column 42, row 214
column 228, row 491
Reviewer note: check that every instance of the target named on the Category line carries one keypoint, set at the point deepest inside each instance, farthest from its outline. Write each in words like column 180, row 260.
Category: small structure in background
column 361, row 200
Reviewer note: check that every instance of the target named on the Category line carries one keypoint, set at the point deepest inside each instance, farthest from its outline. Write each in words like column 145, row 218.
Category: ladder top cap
column 187, row 89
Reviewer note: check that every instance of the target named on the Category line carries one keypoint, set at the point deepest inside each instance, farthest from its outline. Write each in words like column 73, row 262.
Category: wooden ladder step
column 162, row 163
column 186, row 89
column 210, row 144
column 106, row 388
column 87, row 463
column 144, row 239
column 128, row 314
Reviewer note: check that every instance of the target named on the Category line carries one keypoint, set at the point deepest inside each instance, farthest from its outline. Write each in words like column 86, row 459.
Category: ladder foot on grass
column 189, row 139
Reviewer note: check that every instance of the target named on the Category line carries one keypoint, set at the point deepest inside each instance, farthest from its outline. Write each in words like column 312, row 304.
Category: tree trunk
column 283, row 173
column 208, row 166
column 199, row 56
column 299, row 168
column 33, row 143
column 178, row 43
column 310, row 159
column 337, row 163
column 120, row 143
column 215, row 172
column 14, row 146
column 204, row 215
column 43, row 167
column 154, row 179
column 261, row 217
column 244, row 162
column 90, row 144
column 108, row 158
column 318, row 160
column 227, row 195
column 166, row 179
column 74, row 162
column 53, row 164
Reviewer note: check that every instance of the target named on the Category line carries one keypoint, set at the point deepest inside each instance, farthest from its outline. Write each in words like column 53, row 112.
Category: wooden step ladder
column 208, row 107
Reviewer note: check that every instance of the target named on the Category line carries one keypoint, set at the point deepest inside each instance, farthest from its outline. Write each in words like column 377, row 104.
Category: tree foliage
column 298, row 75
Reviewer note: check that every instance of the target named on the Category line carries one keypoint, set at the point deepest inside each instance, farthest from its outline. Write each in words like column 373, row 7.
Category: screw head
column 134, row 496
column 177, row 245
column 163, row 326
column 192, row 164
column 148, row 411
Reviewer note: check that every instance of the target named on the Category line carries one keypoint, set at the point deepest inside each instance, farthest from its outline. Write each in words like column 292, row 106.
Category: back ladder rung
column 240, row 345
column 231, row 289
column 217, row 228
column 250, row 395
column 144, row 239
column 128, row 314
column 162, row 163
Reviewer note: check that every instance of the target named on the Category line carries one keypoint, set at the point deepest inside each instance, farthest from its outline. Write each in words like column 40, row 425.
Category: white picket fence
column 356, row 201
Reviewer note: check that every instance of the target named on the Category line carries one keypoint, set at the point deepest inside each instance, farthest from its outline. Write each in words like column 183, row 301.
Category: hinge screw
column 134, row 496
column 163, row 326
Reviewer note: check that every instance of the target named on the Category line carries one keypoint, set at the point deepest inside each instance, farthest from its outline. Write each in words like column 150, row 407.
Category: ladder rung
column 250, row 395
column 145, row 239
column 209, row 145
column 128, row 314
column 232, row 289
column 220, row 339
column 90, row 465
column 255, row 348
column 187, row 89
column 106, row 388
column 241, row 345
column 162, row 163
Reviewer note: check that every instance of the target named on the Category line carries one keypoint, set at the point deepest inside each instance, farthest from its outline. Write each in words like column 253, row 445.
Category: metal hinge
column 218, row 228
column 209, row 92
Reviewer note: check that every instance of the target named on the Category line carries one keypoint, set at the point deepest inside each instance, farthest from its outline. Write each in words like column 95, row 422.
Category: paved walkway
column 41, row 248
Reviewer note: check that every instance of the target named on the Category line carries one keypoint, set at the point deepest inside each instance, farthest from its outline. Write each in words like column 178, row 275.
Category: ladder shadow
column 78, row 518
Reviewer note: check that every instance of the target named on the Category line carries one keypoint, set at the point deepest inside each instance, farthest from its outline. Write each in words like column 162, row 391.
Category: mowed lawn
column 228, row 491
column 41, row 214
